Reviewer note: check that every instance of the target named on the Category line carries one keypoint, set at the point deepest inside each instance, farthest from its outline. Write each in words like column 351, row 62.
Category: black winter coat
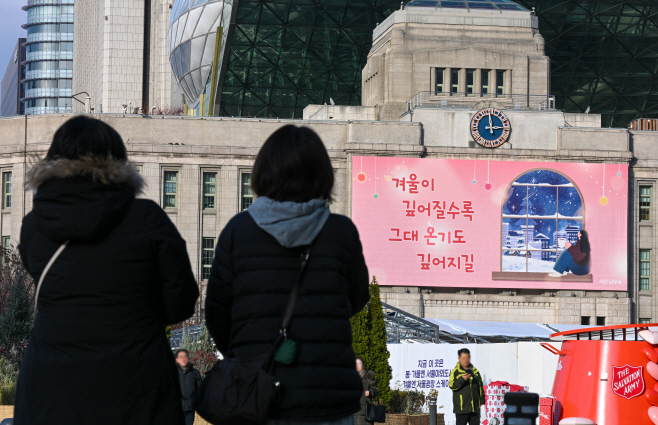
column 98, row 353
column 369, row 383
column 252, row 276
column 190, row 380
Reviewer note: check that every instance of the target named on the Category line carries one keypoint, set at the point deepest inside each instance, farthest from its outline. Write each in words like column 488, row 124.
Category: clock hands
column 491, row 127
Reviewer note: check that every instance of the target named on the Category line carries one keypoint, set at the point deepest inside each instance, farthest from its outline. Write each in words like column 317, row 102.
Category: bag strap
column 45, row 272
column 294, row 294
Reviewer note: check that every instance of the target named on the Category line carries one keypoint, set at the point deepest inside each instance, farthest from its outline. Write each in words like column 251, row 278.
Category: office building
column 12, row 88
column 120, row 59
column 48, row 58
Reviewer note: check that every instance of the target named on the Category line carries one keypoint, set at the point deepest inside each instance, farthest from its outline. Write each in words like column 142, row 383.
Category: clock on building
column 490, row 127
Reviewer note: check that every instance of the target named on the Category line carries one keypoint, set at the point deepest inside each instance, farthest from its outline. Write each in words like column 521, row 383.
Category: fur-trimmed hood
column 105, row 171
column 82, row 200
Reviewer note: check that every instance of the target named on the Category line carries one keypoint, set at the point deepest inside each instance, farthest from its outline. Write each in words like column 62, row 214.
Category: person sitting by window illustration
column 575, row 258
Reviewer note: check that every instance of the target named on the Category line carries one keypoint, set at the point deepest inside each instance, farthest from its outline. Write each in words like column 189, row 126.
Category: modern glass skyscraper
column 604, row 56
column 49, row 56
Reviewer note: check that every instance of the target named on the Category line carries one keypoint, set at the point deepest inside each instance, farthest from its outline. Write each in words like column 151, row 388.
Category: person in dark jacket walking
column 467, row 390
column 257, row 261
column 190, row 380
column 369, row 394
column 98, row 353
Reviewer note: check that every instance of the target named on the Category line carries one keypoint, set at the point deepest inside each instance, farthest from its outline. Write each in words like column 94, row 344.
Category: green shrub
column 7, row 383
column 410, row 402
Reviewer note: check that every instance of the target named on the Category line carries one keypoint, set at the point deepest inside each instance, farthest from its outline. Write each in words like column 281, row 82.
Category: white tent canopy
column 511, row 331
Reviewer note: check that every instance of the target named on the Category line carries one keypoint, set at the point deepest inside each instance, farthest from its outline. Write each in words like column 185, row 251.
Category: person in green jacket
column 467, row 390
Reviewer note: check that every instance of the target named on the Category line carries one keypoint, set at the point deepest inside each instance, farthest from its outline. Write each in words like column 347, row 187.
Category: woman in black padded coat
column 256, row 263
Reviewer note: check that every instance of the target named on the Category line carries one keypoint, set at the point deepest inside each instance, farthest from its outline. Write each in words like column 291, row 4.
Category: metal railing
column 480, row 100
column 37, row 56
column 49, row 36
column 47, row 92
column 41, row 110
column 45, row 74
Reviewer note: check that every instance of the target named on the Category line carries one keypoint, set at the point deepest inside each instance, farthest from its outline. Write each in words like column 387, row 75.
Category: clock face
column 490, row 128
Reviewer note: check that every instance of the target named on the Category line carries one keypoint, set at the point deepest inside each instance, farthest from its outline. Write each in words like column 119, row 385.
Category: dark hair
column 463, row 351
column 362, row 362
column 584, row 242
column 84, row 137
column 182, row 350
column 293, row 165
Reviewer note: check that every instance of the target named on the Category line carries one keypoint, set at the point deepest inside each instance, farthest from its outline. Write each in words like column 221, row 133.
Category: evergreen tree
column 361, row 334
column 378, row 359
column 16, row 320
column 369, row 341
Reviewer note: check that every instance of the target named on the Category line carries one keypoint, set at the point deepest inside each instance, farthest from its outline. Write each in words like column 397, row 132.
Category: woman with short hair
column 98, row 353
column 256, row 265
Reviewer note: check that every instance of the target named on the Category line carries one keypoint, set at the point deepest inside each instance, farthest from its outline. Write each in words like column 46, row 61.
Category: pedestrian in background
column 98, row 353
column 467, row 390
column 257, row 262
column 369, row 394
column 190, row 379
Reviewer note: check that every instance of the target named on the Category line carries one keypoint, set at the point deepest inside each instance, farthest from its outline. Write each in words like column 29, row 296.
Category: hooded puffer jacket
column 256, row 264
column 98, row 353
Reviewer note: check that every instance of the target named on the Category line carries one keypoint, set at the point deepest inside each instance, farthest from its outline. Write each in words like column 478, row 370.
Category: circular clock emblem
column 490, row 128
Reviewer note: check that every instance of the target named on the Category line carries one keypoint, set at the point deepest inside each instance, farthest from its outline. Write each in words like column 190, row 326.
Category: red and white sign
column 627, row 381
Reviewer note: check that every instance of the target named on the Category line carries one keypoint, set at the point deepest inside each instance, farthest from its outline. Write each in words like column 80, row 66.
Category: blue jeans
column 565, row 263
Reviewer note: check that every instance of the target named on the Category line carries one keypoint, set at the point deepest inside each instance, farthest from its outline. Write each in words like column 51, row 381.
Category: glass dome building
column 49, row 56
column 604, row 56
column 192, row 38
column 275, row 57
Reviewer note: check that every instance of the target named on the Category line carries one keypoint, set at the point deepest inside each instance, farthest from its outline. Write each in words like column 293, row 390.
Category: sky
column 11, row 19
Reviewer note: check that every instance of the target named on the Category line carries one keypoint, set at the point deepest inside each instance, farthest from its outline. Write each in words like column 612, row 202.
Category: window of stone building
column 484, row 81
column 246, row 194
column 439, row 78
column 645, row 203
column 209, row 190
column 6, row 189
column 454, row 81
column 541, row 210
column 470, row 81
column 645, row 269
column 584, row 320
column 600, row 321
column 171, row 189
column 207, row 257
column 644, row 320
column 500, row 82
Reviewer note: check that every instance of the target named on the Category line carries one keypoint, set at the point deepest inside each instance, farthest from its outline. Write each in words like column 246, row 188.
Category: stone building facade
column 198, row 169
column 192, row 148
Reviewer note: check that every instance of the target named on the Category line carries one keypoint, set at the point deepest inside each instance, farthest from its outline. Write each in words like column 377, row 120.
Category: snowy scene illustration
column 541, row 211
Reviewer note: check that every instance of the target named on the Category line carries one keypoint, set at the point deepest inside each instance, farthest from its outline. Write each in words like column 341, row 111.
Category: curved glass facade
column 604, row 55
column 49, row 56
column 191, row 39
column 285, row 55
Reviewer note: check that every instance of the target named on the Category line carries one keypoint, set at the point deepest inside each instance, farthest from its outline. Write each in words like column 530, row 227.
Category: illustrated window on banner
column 542, row 210
column 468, row 223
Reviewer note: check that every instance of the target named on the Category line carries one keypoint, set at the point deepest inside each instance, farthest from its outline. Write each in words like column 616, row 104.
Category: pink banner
column 492, row 224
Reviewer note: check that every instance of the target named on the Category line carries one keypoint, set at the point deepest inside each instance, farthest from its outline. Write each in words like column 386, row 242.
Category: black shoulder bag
column 242, row 392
